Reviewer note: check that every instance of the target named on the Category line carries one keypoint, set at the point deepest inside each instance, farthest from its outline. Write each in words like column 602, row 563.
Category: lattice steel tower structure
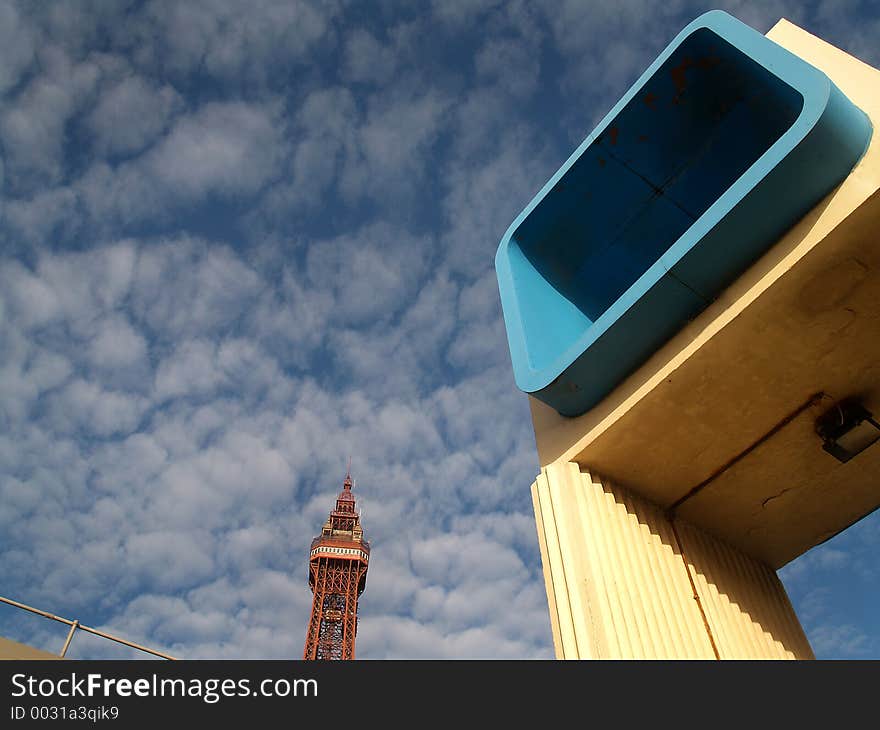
column 338, row 562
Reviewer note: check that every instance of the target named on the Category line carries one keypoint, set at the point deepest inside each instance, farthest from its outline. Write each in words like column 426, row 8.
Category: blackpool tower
column 338, row 562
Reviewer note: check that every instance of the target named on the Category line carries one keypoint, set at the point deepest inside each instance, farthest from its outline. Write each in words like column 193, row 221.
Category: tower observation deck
column 338, row 562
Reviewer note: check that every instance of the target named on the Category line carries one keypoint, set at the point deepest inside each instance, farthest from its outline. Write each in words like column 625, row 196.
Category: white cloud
column 31, row 299
column 33, row 124
column 189, row 370
column 229, row 40
column 451, row 559
column 325, row 136
column 223, row 148
column 86, row 406
column 219, row 151
column 368, row 60
column 75, row 287
column 376, row 150
column 393, row 145
column 290, row 320
column 16, row 46
column 168, row 560
column 461, row 12
column 840, row 641
column 393, row 636
column 371, row 274
column 117, row 345
column 483, row 199
column 513, row 64
column 479, row 341
column 252, row 547
column 123, row 466
column 130, row 115
column 111, row 197
column 27, row 374
column 182, row 287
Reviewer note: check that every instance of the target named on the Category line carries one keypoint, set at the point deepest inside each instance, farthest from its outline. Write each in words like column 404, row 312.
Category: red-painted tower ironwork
column 338, row 562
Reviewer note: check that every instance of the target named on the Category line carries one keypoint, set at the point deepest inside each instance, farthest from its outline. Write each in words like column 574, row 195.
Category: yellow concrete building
column 664, row 511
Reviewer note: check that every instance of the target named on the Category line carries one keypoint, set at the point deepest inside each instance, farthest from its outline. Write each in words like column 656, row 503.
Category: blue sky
column 240, row 242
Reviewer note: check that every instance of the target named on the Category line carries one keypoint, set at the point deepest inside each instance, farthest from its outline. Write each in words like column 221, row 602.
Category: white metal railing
column 75, row 624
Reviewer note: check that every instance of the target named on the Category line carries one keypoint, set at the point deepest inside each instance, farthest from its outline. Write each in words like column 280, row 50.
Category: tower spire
column 338, row 562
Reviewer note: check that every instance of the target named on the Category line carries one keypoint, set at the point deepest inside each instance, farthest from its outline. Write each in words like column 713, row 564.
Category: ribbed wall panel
column 545, row 523
column 554, row 573
column 746, row 605
column 614, row 577
column 575, row 566
column 618, row 578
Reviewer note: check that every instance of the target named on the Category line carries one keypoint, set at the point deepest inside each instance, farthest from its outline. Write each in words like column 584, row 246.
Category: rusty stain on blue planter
column 724, row 142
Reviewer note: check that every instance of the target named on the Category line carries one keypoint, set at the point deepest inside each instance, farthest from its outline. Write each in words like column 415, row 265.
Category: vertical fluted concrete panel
column 614, row 577
column 545, row 522
column 623, row 582
column 746, row 606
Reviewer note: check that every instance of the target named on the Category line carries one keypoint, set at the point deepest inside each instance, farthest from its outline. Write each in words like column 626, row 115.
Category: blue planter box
column 723, row 143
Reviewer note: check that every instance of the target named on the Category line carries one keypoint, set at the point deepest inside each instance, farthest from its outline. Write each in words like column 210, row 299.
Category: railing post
column 73, row 627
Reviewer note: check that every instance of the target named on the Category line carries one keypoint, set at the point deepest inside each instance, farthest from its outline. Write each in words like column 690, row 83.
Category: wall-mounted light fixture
column 847, row 429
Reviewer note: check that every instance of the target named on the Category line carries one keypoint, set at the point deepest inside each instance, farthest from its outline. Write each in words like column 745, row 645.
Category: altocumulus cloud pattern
column 241, row 241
